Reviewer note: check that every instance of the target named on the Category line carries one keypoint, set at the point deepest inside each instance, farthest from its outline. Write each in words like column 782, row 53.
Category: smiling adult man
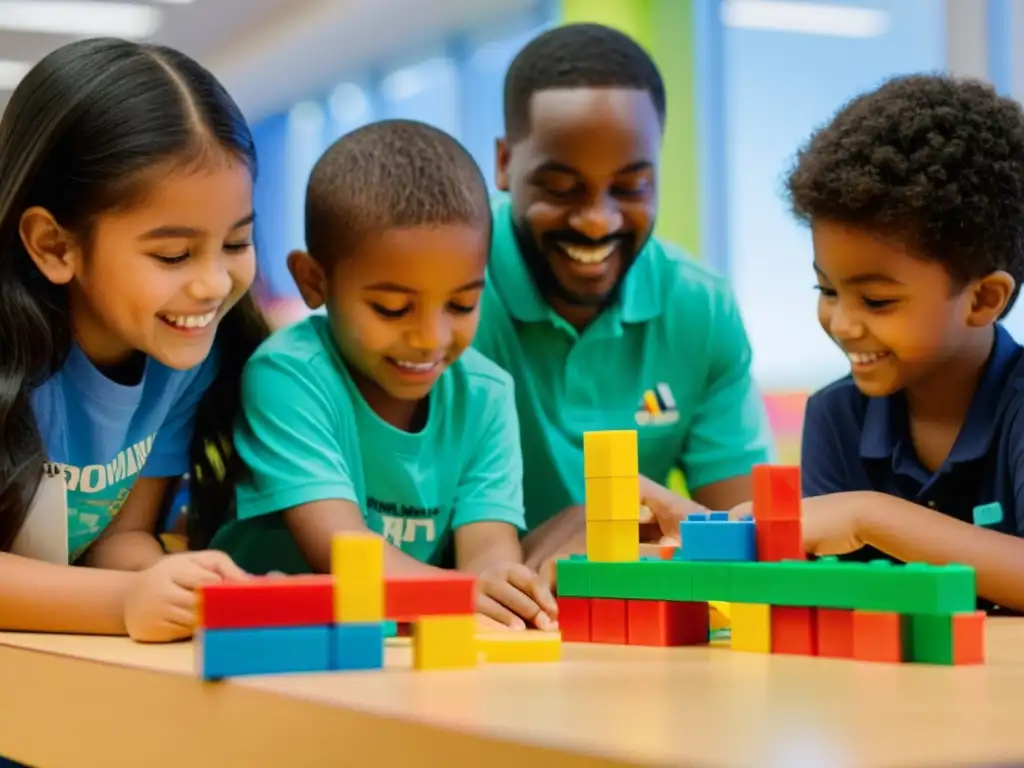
column 602, row 325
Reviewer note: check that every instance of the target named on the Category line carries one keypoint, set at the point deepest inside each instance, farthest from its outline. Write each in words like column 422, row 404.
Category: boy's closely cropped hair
column 914, row 194
column 376, row 415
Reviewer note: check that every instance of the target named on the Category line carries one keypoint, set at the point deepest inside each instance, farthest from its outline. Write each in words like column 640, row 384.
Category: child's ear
column 51, row 247
column 501, row 156
column 990, row 296
column 309, row 277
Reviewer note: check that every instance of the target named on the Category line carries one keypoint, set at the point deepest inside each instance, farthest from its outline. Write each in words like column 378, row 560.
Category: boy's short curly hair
column 577, row 56
column 935, row 161
column 392, row 174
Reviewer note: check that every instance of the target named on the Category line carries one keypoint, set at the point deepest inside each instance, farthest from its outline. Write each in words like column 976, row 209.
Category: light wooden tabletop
column 91, row 701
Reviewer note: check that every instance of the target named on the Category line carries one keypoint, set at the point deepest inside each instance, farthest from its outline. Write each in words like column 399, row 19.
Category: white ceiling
column 270, row 53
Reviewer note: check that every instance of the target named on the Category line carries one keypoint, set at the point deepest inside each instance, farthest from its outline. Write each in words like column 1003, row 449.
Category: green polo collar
column 640, row 300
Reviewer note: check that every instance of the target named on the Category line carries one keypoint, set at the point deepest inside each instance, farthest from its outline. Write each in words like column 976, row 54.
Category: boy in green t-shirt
column 377, row 415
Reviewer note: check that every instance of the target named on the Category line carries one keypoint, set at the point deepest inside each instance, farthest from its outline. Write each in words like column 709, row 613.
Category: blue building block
column 715, row 537
column 277, row 650
column 357, row 646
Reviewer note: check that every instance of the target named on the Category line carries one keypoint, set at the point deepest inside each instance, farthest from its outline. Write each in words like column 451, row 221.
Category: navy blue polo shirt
column 852, row 442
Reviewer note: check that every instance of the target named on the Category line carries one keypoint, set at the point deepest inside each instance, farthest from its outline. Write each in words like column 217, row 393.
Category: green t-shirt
column 669, row 359
column 306, row 435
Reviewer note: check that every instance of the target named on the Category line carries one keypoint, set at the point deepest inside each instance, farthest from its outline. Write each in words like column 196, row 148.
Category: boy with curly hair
column 914, row 194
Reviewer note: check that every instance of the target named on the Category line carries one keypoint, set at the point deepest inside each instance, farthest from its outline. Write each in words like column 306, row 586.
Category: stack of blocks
column 339, row 622
column 780, row 601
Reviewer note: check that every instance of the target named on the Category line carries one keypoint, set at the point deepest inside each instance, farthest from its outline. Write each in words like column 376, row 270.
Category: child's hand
column 662, row 512
column 161, row 606
column 514, row 596
column 830, row 524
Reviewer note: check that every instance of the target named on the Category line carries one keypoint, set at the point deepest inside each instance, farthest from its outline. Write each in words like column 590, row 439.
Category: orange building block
column 794, row 630
column 776, row 493
column 778, row 540
column 574, row 619
column 407, row 598
column 969, row 638
column 663, row 623
column 877, row 636
column 607, row 621
column 835, row 633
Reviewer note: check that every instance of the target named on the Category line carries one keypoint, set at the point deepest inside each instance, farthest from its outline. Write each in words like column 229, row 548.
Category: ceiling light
column 805, row 18
column 75, row 17
column 11, row 73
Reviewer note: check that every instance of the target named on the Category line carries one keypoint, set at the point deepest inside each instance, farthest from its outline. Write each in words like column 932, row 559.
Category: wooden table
column 89, row 701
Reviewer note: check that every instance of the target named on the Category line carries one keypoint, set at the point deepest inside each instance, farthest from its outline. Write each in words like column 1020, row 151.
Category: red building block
column 663, row 623
column 835, row 633
column 262, row 603
column 607, row 621
column 794, row 630
column 778, row 540
column 969, row 638
column 776, row 493
column 667, row 551
column 574, row 619
column 877, row 636
column 406, row 598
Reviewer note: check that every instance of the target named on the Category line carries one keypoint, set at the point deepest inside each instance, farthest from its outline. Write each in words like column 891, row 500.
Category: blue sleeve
column 1015, row 441
column 491, row 487
column 822, row 460
column 729, row 432
column 287, row 438
column 170, row 454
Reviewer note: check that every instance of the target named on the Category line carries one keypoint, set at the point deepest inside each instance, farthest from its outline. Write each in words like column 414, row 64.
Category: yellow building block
column 527, row 646
column 610, row 454
column 719, row 617
column 357, row 563
column 613, row 541
column 444, row 642
column 613, row 498
column 751, row 627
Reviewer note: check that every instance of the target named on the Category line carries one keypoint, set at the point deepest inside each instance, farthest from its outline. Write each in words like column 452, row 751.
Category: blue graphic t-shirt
column 106, row 435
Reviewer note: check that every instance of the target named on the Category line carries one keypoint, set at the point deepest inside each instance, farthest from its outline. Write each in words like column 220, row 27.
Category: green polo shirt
column 669, row 359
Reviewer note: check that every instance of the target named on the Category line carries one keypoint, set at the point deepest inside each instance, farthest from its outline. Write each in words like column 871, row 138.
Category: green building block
column 825, row 583
column 928, row 638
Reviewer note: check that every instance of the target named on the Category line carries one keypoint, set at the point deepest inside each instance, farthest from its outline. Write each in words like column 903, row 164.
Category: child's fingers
column 493, row 609
column 525, row 580
column 221, row 564
column 192, row 574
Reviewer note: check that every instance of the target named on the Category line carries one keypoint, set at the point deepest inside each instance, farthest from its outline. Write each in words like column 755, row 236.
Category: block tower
column 612, row 476
column 780, row 602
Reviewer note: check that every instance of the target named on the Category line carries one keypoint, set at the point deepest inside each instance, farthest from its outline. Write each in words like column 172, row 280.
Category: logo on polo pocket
column 657, row 407
column 988, row 514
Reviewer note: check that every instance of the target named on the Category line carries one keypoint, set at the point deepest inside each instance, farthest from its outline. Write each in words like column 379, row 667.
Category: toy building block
column 407, row 598
column 520, row 647
column 574, row 619
column 957, row 638
column 357, row 564
column 666, row 624
column 613, row 541
column 823, row 583
column 719, row 613
column 716, row 537
column 835, row 633
column 668, row 552
column 608, row 621
column 224, row 653
column 613, row 498
column 776, row 493
column 444, row 642
column 357, row 646
column 751, row 627
column 794, row 631
column 778, row 540
column 877, row 636
column 267, row 602
column 612, row 453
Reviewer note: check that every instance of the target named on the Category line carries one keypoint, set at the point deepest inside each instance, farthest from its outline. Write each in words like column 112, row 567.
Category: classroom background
column 747, row 81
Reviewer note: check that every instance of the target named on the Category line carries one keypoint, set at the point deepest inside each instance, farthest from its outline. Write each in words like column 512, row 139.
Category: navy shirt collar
column 886, row 432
